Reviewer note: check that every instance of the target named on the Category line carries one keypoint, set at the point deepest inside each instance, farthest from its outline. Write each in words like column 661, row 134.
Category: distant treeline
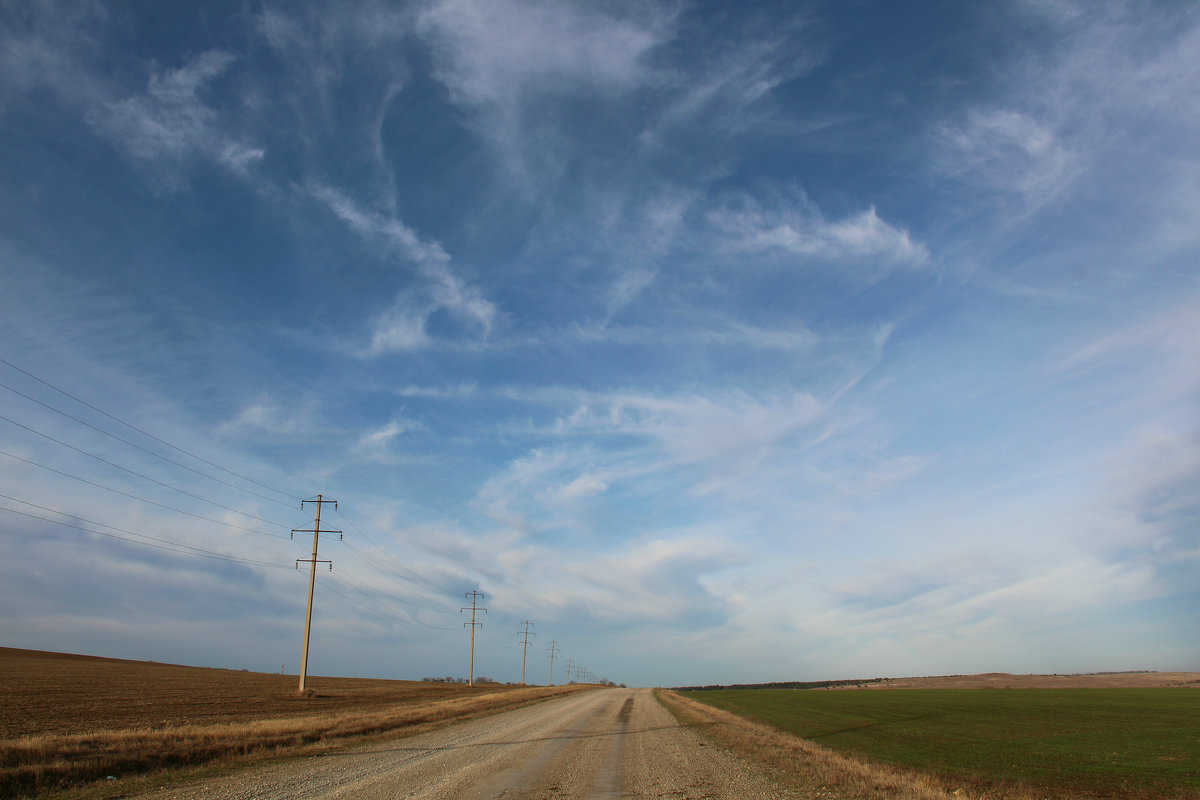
column 782, row 685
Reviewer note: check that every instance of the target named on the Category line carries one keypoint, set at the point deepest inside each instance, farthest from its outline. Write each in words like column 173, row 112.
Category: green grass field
column 1123, row 742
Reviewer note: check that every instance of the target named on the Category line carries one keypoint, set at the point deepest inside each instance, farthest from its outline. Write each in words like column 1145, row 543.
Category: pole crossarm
column 525, row 648
column 316, row 531
column 474, row 596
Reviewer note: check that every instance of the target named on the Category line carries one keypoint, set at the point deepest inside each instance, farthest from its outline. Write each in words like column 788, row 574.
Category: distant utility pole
column 569, row 661
column 553, row 650
column 474, row 595
column 525, row 649
column 312, row 578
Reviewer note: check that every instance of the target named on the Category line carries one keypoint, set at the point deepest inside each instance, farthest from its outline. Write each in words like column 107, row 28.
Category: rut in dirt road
column 610, row 743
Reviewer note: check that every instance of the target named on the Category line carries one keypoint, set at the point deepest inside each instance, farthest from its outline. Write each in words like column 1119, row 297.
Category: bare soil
column 68, row 720
column 60, row 693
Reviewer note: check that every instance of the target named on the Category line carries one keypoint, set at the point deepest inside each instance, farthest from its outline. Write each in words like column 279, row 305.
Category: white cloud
column 492, row 51
column 500, row 58
column 724, row 91
column 268, row 416
column 401, row 328
column 170, row 123
column 395, row 235
column 1008, row 148
column 581, row 488
column 405, row 325
column 618, row 445
column 805, row 232
column 48, row 45
column 1103, row 110
column 654, row 580
column 628, row 285
column 1145, row 369
column 377, row 443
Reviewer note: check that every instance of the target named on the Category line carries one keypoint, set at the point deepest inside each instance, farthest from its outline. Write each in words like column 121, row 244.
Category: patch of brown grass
column 818, row 771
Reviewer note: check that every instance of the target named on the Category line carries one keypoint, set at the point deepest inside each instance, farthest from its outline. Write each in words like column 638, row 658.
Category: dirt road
column 610, row 743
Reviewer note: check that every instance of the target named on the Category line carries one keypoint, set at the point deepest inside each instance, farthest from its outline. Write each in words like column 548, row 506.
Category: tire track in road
column 597, row 745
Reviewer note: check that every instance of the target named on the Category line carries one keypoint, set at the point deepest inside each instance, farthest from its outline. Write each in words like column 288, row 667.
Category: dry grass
column 817, row 771
column 81, row 719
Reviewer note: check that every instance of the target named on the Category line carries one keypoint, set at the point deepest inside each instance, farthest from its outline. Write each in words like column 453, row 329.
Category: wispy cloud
column 53, row 45
column 1007, row 148
column 498, row 57
column 1065, row 117
column 170, row 124
column 404, row 326
column 378, row 444
column 725, row 90
column 805, row 232
column 271, row 417
column 492, row 53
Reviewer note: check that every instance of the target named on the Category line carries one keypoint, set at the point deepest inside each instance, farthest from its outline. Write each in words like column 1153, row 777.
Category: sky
column 722, row 342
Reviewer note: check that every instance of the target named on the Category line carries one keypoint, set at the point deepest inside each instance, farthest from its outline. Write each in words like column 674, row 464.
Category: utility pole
column 569, row 661
column 312, row 578
column 474, row 595
column 525, row 649
column 553, row 650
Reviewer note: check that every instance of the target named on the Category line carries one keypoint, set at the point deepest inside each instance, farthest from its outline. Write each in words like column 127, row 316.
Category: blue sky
column 724, row 342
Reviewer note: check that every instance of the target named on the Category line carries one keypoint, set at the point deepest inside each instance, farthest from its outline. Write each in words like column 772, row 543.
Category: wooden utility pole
column 553, row 650
column 570, row 661
column 525, row 649
column 474, row 595
column 312, row 579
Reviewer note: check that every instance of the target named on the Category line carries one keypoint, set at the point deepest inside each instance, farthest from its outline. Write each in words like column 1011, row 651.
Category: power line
column 342, row 576
column 143, row 449
column 383, row 569
column 166, row 544
column 138, row 474
column 135, row 497
column 147, row 433
column 442, row 589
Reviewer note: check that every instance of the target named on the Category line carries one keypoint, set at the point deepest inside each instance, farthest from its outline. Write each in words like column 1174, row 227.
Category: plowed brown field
column 59, row 693
column 70, row 719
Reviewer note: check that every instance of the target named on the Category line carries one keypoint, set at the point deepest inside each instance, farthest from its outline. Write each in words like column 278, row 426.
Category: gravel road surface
column 608, row 743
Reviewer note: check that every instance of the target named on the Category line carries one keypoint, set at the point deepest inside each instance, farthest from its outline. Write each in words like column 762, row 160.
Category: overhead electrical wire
column 140, row 499
column 131, row 426
column 140, row 475
column 143, row 449
column 340, row 575
column 440, row 589
column 396, row 570
column 402, row 600
column 164, row 544
column 382, row 568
